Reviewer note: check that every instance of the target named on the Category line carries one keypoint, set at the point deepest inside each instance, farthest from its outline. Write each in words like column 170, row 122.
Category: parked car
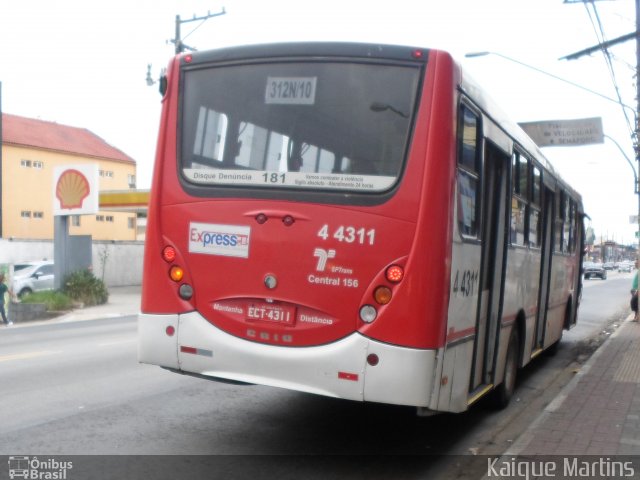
column 594, row 270
column 32, row 277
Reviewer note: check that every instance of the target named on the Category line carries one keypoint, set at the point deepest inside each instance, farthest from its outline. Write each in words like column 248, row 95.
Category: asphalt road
column 77, row 389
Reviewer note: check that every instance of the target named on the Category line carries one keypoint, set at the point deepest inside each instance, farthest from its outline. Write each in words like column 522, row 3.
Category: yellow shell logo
column 72, row 188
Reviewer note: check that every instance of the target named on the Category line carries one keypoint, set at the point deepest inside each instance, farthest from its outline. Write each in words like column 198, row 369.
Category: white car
column 625, row 267
column 32, row 277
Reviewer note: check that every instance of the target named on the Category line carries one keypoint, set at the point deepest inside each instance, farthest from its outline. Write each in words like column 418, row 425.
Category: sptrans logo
column 225, row 240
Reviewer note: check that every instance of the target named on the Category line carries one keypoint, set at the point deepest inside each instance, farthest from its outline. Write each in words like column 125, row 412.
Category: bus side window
column 519, row 197
column 535, row 223
column 559, row 227
column 468, row 172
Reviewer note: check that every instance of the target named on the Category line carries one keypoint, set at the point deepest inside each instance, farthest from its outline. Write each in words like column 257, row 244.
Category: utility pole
column 636, row 133
column 637, row 137
column 180, row 46
column 1, row 205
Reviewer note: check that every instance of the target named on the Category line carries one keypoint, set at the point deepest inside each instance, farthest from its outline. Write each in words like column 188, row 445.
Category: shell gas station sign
column 75, row 190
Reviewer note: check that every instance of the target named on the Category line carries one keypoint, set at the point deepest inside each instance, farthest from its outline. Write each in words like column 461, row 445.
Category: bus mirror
column 162, row 85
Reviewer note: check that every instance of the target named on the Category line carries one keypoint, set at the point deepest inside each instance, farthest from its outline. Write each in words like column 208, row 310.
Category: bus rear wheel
column 503, row 392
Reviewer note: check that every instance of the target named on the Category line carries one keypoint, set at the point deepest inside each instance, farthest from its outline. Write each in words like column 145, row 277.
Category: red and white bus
column 352, row 220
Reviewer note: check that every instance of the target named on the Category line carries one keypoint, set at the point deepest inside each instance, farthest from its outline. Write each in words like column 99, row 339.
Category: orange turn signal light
column 382, row 295
column 176, row 273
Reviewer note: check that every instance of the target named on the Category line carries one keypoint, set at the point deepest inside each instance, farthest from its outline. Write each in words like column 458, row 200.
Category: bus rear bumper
column 402, row 376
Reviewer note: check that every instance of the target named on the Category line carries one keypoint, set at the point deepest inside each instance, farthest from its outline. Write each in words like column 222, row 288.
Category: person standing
column 3, row 290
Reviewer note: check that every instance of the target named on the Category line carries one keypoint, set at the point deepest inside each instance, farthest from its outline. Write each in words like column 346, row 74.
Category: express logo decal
column 214, row 239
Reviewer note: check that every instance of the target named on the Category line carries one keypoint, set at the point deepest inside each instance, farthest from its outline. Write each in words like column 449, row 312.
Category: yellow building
column 31, row 149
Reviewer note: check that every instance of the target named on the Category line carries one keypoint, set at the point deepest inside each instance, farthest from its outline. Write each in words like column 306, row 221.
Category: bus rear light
column 169, row 254
column 395, row 273
column 186, row 291
column 170, row 331
column 188, row 58
column 176, row 273
column 382, row 295
column 368, row 313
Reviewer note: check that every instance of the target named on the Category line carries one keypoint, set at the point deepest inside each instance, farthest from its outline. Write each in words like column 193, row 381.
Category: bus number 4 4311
column 344, row 234
column 465, row 283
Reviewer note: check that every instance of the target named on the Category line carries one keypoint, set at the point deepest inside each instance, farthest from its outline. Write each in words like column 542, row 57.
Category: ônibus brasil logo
column 38, row 468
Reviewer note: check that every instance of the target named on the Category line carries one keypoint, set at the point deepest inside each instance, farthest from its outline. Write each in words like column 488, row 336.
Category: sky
column 84, row 63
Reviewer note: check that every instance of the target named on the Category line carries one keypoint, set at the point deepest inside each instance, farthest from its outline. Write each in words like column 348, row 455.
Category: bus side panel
column 563, row 273
column 521, row 298
column 461, row 326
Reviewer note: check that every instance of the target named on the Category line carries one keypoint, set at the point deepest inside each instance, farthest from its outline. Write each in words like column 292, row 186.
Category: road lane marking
column 27, row 355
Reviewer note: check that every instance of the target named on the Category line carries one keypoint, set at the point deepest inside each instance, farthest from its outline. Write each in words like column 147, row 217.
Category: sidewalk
column 598, row 412
column 123, row 301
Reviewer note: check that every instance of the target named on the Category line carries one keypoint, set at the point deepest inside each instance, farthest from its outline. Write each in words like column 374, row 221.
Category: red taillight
column 169, row 254
column 395, row 273
column 188, row 58
column 170, row 331
column 417, row 54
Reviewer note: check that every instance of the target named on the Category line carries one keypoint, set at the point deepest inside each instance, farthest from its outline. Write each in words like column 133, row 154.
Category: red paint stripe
column 456, row 335
column 348, row 376
column 191, row 350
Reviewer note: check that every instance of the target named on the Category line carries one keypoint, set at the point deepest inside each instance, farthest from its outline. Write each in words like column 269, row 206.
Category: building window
column 109, row 218
column 38, row 214
column 131, row 180
column 100, row 218
column 38, row 164
column 106, row 173
column 25, row 163
column 131, row 222
column 75, row 220
column 25, row 214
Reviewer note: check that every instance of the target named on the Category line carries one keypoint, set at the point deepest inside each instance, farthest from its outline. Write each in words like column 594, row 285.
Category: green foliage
column 83, row 286
column 55, row 301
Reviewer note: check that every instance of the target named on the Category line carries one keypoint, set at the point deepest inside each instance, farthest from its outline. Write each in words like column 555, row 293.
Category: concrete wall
column 117, row 263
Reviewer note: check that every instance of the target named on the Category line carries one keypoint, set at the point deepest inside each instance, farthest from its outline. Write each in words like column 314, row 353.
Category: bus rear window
column 310, row 125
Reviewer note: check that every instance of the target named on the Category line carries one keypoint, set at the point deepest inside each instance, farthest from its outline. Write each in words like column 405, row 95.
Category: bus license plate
column 272, row 313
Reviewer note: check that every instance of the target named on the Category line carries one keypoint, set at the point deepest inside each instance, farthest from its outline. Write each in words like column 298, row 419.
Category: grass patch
column 55, row 301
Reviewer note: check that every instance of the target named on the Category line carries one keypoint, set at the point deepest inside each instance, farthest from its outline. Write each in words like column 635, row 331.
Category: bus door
column 492, row 268
column 546, row 218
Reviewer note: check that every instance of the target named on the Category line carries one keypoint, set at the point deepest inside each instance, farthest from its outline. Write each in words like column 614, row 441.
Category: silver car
column 32, row 277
